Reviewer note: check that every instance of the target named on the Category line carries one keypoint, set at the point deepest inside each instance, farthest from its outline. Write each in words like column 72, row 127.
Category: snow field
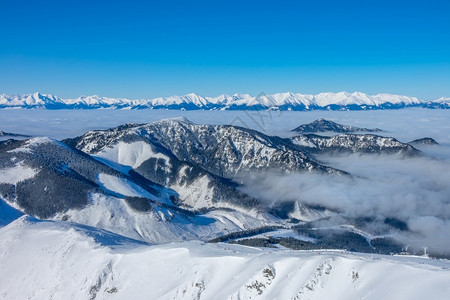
column 44, row 260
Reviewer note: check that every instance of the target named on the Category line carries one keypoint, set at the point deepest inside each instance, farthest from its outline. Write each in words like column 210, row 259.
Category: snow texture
column 51, row 260
column 18, row 173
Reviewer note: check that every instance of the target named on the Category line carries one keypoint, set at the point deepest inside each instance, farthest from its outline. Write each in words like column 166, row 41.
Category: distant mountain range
column 280, row 101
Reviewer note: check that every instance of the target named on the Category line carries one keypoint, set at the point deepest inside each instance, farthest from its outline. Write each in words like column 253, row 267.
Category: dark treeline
column 243, row 234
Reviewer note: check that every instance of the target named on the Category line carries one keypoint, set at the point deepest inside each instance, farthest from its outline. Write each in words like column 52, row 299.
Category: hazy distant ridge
column 280, row 101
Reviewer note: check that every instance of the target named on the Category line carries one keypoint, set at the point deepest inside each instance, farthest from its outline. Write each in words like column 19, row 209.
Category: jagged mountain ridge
column 224, row 150
column 201, row 162
column 353, row 143
column 279, row 101
column 323, row 125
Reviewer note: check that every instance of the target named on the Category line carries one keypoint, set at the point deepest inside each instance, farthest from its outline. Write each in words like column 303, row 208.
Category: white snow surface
column 130, row 154
column 16, row 174
column 57, row 260
column 30, row 143
column 122, row 186
column 160, row 225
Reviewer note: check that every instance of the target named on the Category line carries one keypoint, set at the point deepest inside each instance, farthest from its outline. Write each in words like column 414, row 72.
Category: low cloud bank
column 413, row 190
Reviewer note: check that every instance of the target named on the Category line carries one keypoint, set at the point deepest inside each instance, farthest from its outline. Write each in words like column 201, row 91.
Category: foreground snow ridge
column 61, row 260
column 279, row 101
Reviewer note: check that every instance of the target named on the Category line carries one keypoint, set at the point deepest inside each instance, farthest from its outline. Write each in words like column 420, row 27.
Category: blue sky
column 141, row 49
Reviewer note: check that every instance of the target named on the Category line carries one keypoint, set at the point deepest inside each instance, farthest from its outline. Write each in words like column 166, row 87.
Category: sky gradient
column 146, row 49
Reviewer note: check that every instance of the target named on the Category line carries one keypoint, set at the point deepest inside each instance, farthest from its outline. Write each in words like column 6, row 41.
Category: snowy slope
column 51, row 260
column 19, row 172
column 47, row 179
column 197, row 189
column 44, row 177
column 157, row 224
column 279, row 101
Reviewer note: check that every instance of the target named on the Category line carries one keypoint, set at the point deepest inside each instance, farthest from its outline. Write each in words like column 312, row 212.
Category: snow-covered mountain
column 183, row 175
column 157, row 210
column 353, row 143
column 347, row 141
column 59, row 260
column 172, row 180
column 223, row 150
column 116, row 190
column 48, row 177
column 50, row 180
column 323, row 125
column 202, row 163
column 443, row 102
column 36, row 100
column 280, row 101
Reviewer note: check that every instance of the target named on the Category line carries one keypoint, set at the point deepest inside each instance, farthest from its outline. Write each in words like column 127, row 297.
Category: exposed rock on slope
column 223, row 150
column 353, row 143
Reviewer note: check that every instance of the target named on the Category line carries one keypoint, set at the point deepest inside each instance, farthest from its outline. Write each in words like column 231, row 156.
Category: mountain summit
column 323, row 125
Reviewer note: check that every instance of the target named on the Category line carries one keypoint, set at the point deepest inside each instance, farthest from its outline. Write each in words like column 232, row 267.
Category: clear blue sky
column 142, row 49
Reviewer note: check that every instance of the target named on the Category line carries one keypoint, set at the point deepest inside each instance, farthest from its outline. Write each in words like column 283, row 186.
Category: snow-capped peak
column 282, row 101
